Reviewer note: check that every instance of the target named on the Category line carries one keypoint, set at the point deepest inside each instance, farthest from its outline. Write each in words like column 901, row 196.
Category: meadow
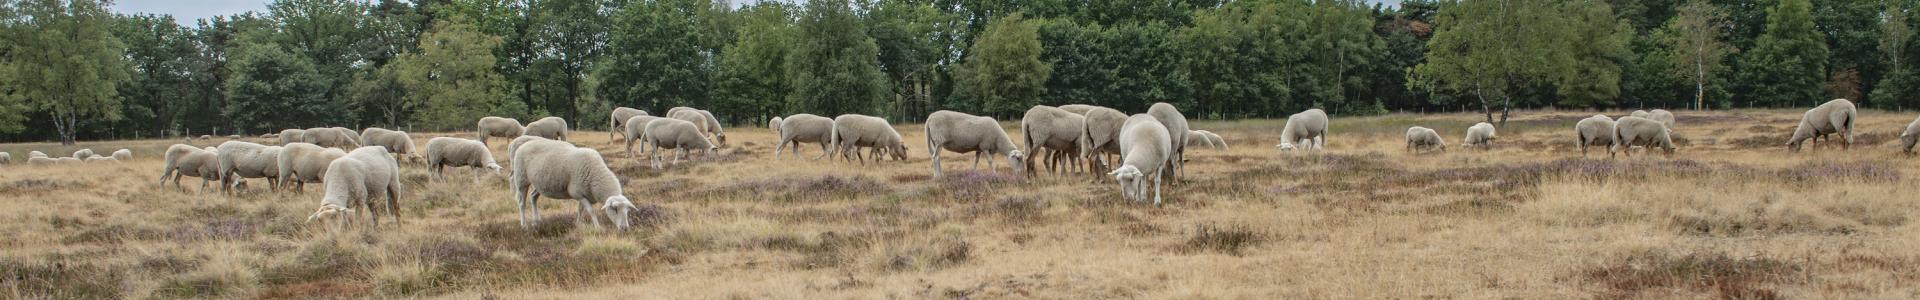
column 1731, row 215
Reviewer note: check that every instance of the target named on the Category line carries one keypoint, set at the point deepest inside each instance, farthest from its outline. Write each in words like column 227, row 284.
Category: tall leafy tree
column 452, row 79
column 831, row 67
column 273, row 89
column 329, row 34
column 161, row 54
column 912, row 48
column 65, row 62
column 1005, row 74
column 1901, row 84
column 655, row 58
column 1787, row 64
column 1852, row 30
column 571, row 36
column 12, row 108
column 750, row 79
column 1494, row 49
column 1593, row 78
column 1696, row 50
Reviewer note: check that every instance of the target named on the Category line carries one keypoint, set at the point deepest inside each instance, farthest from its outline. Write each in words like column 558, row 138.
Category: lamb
column 1053, row 129
column 1146, row 147
column 36, row 153
column 332, row 138
column 636, row 131
column 357, row 179
column 1310, row 126
column 1078, row 109
column 1907, row 138
column 964, row 133
column 290, row 136
column 123, row 154
column 1176, row 129
column 1594, row 131
column 553, row 128
column 1665, row 117
column 804, row 128
column 184, row 160
column 301, row 163
column 620, row 116
column 240, row 160
column 458, row 152
column 702, row 119
column 1422, row 139
column 1637, row 131
column 490, row 127
column 671, row 134
column 1103, row 134
column 1481, row 135
column 853, row 130
column 83, row 154
column 397, row 142
column 1835, row 116
column 561, row 171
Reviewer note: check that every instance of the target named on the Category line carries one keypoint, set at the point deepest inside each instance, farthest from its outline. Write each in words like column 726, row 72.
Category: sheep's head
column 495, row 167
column 327, row 210
column 618, row 209
column 1017, row 159
column 899, row 152
column 1126, row 175
column 722, row 137
column 1285, row 146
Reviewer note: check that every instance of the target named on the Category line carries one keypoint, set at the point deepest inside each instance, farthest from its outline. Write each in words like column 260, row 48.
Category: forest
column 438, row 65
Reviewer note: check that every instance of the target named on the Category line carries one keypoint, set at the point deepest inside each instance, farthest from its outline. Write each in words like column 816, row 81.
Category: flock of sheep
column 82, row 155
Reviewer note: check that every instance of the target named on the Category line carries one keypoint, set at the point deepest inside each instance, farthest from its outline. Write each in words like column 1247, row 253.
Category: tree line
column 440, row 64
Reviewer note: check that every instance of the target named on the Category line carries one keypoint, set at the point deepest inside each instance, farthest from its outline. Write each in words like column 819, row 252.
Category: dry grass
column 1731, row 216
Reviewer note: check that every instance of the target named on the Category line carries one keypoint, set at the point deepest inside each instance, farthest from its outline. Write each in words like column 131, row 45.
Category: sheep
column 269, row 136
column 522, row 140
column 702, row 119
column 398, row 143
column 6, row 158
column 1665, row 117
column 355, row 135
column 359, row 178
column 1078, row 109
column 1422, row 139
column 332, row 138
column 1177, row 130
column 491, row 127
column 123, row 154
column 36, row 153
column 1632, row 131
column 1146, row 147
column 234, row 137
column 673, row 134
column 290, row 136
column 1641, row 114
column 68, row 160
column 172, row 156
column 561, row 171
column 1594, row 131
column 853, row 130
column 204, row 137
column 184, row 160
column 619, row 118
column 1310, row 126
column 1215, row 139
column 458, row 152
column 1907, row 138
column 964, row 133
column 805, row 128
column 83, row 154
column 1481, row 135
column 41, row 161
column 1103, row 135
column 636, row 132
column 553, row 128
column 102, row 159
column 301, row 163
column 1052, row 129
column 1199, row 138
column 240, row 160
column 1835, row 116
column 774, row 124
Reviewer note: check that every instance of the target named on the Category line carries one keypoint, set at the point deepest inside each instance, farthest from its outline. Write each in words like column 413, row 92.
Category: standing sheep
column 47, row 161
column 1481, row 135
column 191, row 161
column 123, row 154
column 241, row 160
column 702, row 120
column 561, row 171
column 101, row 159
column 853, row 130
column 301, row 163
column 358, row 178
column 964, row 133
column 6, row 158
column 1053, row 129
column 618, row 121
column 83, row 154
column 672, row 134
column 490, row 127
column 458, row 152
column 1078, row 109
column 1910, row 137
column 1103, row 135
column 805, row 128
column 774, row 124
column 1665, row 117
column 1309, row 126
column 1146, row 147
column 1594, row 131
column 355, row 135
column 636, row 131
column 1640, row 114
column 398, row 143
column 1177, row 130
column 332, row 138
column 552, row 128
column 1215, row 139
column 1637, row 131
column 1835, row 116
column 1423, row 139
column 36, row 153
column 290, row 136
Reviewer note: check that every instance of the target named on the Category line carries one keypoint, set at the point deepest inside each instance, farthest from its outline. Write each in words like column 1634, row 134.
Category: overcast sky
column 186, row 11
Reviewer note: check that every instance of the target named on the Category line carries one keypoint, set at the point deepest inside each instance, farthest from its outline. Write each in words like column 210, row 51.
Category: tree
column 274, row 89
column 1852, row 30
column 1696, row 49
column 65, row 61
column 12, row 108
column 452, row 79
column 1495, row 48
column 832, row 67
column 1900, row 85
column 1788, row 63
column 1005, row 74
column 161, row 54
column 570, row 37
column 1593, row 78
column 655, row 59
column 912, row 50
column 750, row 79
column 330, row 34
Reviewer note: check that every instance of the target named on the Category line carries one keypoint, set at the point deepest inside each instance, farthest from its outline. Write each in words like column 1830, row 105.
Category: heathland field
column 1732, row 215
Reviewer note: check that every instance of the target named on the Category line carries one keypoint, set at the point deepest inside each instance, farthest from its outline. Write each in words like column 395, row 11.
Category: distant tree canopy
column 434, row 65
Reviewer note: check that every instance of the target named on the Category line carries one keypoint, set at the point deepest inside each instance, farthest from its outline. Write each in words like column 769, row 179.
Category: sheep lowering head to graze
column 458, row 152
column 68, row 160
column 1423, row 139
column 522, row 140
column 1480, row 135
column 397, row 142
column 702, row 120
column 1641, row 114
column 301, row 163
column 619, row 118
column 774, row 124
column 1594, row 131
column 1665, row 117
column 1046, row 128
column 102, row 159
column 83, row 154
column 1833, row 117
column 36, row 153
column 552, row 128
column 49, row 161
column 850, row 131
column 1637, row 131
column 269, row 135
column 1309, row 126
column 1078, row 109
column 636, row 131
column 675, row 134
column 185, row 160
column 559, row 170
column 332, row 138
column 240, row 160
column 1910, row 137
column 1103, row 135
column 804, row 128
column 964, row 133
column 1146, row 148
column 123, row 154
column 499, row 127
column 1177, row 130
column 360, row 177
column 290, row 136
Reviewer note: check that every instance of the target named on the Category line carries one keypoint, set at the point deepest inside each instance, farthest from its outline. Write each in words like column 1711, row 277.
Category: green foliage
column 1494, row 49
column 1787, row 65
column 831, row 67
column 452, row 79
column 274, row 89
column 655, row 58
column 1696, row 50
column 63, row 60
column 1593, row 79
column 161, row 54
column 751, row 79
column 1004, row 74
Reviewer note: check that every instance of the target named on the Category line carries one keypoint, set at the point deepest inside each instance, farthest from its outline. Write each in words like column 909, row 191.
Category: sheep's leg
column 1156, row 190
column 585, row 209
column 521, row 198
column 393, row 203
column 976, row 160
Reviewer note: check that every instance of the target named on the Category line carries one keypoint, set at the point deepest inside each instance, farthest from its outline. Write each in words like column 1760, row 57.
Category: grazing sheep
column 172, row 156
column 804, row 128
column 1103, row 135
column 1053, row 129
column 36, row 153
column 1594, row 131
column 1423, row 139
column 1078, row 109
column 46, row 161
column 619, row 119
column 1310, row 126
column 561, row 171
column 1907, row 138
column 123, row 154
column 1665, row 117
column 703, row 120
column 204, row 137
column 269, row 135
column 6, row 158
column 964, row 133
column 235, row 137
column 774, row 124
column 458, row 152
column 359, row 178
column 101, row 159
column 852, row 130
column 515, row 144
column 1146, row 147
column 1641, row 114
column 1177, row 130
column 1199, row 138
column 677, row 109
column 68, row 160
column 553, row 128
column 1835, row 116
column 332, row 138
column 636, row 132
column 398, row 143
column 491, row 127
column 672, row 134
column 1481, row 135
column 352, row 134
column 240, row 160
column 184, row 160
column 1215, row 139
column 290, row 136
column 83, row 154
column 1637, row 131
column 301, row 163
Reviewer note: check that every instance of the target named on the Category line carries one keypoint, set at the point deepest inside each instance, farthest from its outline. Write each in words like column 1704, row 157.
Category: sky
column 186, row 11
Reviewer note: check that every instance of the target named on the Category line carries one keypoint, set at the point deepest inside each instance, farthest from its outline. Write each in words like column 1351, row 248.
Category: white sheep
column 1078, row 109
column 359, row 178
column 36, row 153
column 702, row 120
column 45, row 161
column 332, row 137
column 553, row 128
column 301, row 163
column 1146, row 147
column 636, row 131
column 1103, row 136
column 1481, row 135
column 68, row 160
column 964, row 133
column 1422, row 139
column 397, row 142
column 1910, row 137
column 234, row 137
column 184, row 160
column 774, row 124
column 1665, row 117
column 1177, row 130
column 1641, row 114
column 619, row 118
column 355, row 135
column 458, row 152
column 559, row 170
column 1052, row 129
column 850, row 131
column 102, row 159
column 1206, row 139
column 123, row 154
column 269, row 136
column 290, row 136
column 1833, row 117
column 1309, row 126
column 1215, row 139
column 522, row 140
column 1644, row 132
column 804, row 128
column 673, row 134
column 490, row 127
column 1594, row 131
column 6, row 158
column 240, row 160
column 83, row 154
